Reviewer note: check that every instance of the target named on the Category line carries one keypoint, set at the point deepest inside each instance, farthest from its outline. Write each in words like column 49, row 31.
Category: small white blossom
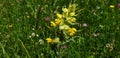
column 41, row 41
column 33, row 34
column 37, row 35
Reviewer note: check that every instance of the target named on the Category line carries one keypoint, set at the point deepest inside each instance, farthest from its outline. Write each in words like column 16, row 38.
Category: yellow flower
column 71, row 34
column 53, row 24
column 112, row 6
column 73, row 19
column 10, row 25
column 59, row 15
column 28, row 16
column 64, row 27
column 57, row 21
column 49, row 40
column 72, row 31
column 72, row 14
column 56, row 40
column 65, row 10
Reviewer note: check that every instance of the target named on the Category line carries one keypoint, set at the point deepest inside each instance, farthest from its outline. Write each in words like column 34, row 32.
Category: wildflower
column 41, row 41
column 85, row 25
column 57, row 21
column 47, row 19
column 96, row 34
column 72, row 14
column 119, row 5
column 72, row 31
column 53, row 24
column 73, row 19
column 30, row 36
column 112, row 6
column 65, row 10
column 33, row 28
column 64, row 47
column 28, row 16
column 49, row 40
column 56, row 40
column 37, row 35
column 33, row 34
column 59, row 15
column 7, row 36
column 64, row 27
column 110, row 46
column 10, row 25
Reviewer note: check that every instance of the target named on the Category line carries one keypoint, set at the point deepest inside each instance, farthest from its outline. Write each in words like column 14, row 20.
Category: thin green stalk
column 4, row 52
column 25, row 49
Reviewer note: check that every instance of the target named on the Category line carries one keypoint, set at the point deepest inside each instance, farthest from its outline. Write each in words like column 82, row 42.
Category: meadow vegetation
column 59, row 29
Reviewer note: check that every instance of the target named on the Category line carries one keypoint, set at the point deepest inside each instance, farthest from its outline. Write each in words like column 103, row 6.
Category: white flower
column 37, row 35
column 33, row 34
column 41, row 41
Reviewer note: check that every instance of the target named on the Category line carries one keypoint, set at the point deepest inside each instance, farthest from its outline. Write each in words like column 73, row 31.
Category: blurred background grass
column 18, row 18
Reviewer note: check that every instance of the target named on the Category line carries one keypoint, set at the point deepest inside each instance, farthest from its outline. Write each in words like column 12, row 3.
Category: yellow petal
column 59, row 15
column 57, row 21
column 49, row 40
column 65, row 10
column 56, row 40
column 52, row 24
column 72, row 14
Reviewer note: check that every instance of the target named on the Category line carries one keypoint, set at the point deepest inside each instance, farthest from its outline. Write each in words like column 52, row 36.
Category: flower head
column 49, row 40
column 85, row 25
column 28, row 17
column 64, row 27
column 64, row 47
column 72, row 31
column 119, row 5
column 47, row 18
column 59, row 15
column 112, row 6
column 33, row 34
column 65, row 10
column 56, row 40
column 73, row 19
column 41, row 41
column 72, row 14
column 53, row 24
column 57, row 21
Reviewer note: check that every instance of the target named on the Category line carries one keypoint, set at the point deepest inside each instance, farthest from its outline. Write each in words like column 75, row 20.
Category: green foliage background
column 100, row 18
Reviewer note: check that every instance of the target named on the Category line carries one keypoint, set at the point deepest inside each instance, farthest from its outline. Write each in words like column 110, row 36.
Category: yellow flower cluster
column 62, row 21
column 56, row 22
column 68, row 15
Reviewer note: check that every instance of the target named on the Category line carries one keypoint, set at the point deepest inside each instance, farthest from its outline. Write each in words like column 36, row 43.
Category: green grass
column 100, row 18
